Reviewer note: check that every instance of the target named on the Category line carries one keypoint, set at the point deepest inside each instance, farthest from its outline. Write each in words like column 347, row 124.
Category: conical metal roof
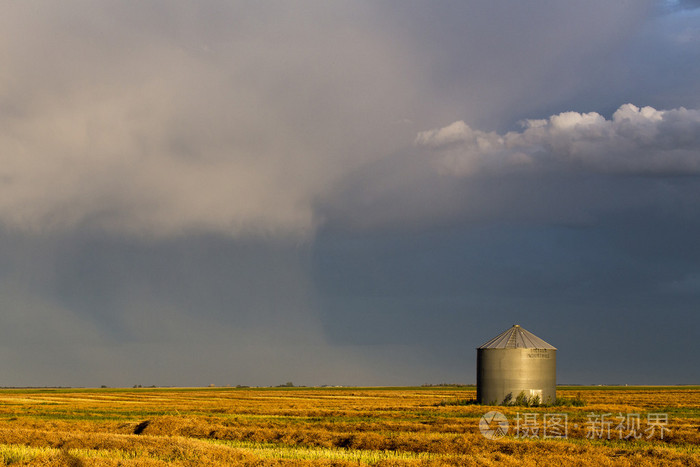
column 517, row 338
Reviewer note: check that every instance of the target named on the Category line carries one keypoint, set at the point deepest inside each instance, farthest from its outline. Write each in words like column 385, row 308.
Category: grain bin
column 516, row 362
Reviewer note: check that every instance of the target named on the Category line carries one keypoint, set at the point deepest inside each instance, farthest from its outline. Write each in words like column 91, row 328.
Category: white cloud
column 634, row 141
column 458, row 132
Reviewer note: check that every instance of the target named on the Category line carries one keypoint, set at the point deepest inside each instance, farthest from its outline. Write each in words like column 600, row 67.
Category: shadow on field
column 141, row 426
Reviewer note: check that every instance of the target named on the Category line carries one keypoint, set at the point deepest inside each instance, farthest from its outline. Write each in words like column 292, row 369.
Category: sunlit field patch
column 332, row 426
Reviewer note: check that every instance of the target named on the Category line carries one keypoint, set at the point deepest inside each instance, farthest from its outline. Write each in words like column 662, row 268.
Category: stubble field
column 635, row 426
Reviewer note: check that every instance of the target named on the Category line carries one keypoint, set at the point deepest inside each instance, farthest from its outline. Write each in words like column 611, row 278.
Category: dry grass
column 330, row 426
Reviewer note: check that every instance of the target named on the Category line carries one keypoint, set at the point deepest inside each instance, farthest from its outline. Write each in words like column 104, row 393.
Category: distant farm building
column 516, row 363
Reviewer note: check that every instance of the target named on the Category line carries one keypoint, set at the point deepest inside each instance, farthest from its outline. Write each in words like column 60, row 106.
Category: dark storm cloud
column 88, row 310
column 616, row 296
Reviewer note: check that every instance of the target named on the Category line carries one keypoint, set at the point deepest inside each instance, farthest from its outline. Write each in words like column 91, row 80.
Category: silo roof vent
column 517, row 338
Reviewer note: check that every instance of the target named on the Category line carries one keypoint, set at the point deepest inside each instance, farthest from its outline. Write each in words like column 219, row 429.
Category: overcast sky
column 346, row 193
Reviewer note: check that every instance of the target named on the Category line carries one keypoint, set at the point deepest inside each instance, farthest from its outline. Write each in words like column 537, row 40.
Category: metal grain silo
column 514, row 362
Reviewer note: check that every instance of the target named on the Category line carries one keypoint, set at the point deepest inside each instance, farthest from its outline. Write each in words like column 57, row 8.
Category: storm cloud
column 168, row 119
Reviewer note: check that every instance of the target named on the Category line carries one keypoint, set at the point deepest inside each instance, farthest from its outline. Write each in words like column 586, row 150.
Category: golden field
column 336, row 426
